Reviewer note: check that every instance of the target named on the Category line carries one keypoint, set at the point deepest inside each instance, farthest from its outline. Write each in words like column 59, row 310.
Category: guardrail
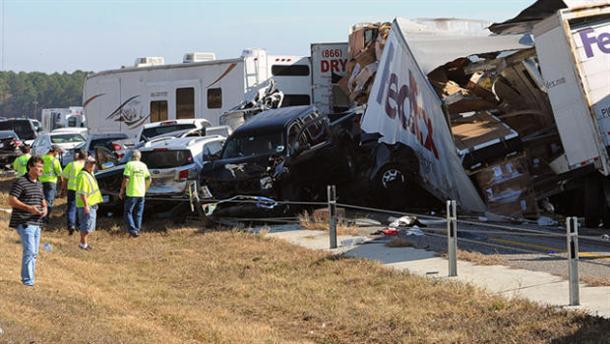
column 571, row 236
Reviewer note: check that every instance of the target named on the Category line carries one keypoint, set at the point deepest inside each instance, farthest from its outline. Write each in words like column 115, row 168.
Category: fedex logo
column 402, row 101
column 589, row 39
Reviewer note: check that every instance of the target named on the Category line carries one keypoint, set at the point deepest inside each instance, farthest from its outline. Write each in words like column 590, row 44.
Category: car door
column 315, row 163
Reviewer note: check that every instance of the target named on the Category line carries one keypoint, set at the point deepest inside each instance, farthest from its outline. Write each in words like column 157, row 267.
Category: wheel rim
column 391, row 176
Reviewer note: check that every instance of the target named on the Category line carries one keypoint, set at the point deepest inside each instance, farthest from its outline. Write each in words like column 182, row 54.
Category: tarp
column 540, row 10
column 403, row 107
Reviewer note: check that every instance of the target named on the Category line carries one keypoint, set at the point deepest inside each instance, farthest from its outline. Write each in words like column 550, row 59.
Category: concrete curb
column 540, row 287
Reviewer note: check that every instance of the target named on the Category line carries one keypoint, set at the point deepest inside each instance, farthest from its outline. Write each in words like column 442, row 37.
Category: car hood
column 242, row 176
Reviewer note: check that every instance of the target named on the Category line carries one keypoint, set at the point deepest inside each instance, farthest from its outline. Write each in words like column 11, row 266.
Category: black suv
column 293, row 153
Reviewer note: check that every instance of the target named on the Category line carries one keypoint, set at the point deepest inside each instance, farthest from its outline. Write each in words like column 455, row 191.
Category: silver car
column 175, row 164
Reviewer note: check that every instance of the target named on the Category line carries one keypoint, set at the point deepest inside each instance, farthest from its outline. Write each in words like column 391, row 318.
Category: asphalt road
column 536, row 248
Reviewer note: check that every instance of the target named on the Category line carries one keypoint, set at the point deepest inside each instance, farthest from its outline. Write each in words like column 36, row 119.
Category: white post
column 452, row 237
column 572, row 242
column 332, row 215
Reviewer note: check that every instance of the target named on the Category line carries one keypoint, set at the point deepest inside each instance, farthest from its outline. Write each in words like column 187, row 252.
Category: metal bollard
column 452, row 237
column 332, row 215
column 572, row 244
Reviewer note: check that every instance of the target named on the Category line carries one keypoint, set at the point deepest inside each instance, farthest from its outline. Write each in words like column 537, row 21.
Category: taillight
column 16, row 143
column 184, row 174
column 116, row 147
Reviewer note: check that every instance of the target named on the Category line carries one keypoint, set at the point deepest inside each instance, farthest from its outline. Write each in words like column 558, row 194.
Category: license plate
column 105, row 199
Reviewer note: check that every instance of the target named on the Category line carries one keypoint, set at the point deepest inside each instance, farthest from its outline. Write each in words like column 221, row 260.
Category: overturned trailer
column 500, row 123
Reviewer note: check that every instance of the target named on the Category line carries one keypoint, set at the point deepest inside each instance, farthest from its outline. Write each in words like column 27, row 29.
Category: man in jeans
column 136, row 179
column 29, row 207
column 70, row 173
column 51, row 174
column 88, row 196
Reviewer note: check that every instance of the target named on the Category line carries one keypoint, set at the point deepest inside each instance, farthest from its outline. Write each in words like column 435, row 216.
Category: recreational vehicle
column 201, row 87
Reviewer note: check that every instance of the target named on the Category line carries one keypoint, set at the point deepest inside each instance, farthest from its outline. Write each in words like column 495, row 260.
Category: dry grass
column 193, row 286
column 315, row 223
column 479, row 258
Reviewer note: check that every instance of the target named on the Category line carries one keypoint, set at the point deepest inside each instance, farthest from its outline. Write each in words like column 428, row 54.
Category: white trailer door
column 592, row 49
column 328, row 64
column 577, row 129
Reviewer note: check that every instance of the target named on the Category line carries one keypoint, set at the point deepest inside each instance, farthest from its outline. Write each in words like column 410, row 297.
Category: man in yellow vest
column 51, row 174
column 20, row 165
column 88, row 196
column 136, row 180
column 70, row 173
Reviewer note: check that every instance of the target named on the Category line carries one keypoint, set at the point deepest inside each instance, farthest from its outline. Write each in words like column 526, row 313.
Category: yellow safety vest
column 51, row 169
column 20, row 165
column 87, row 185
column 71, row 172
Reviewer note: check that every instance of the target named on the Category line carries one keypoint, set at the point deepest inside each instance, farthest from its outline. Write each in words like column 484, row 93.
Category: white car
column 173, row 164
column 66, row 141
column 151, row 130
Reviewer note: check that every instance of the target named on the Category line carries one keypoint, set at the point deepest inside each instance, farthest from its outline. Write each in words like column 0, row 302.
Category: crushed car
column 9, row 147
column 293, row 153
column 174, row 166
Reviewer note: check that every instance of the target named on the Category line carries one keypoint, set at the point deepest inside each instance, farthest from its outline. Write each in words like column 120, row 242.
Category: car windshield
column 167, row 158
column 67, row 138
column 8, row 134
column 23, row 128
column 164, row 129
column 252, row 145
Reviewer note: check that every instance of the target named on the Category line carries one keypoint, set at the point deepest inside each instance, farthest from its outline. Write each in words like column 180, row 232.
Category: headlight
column 266, row 183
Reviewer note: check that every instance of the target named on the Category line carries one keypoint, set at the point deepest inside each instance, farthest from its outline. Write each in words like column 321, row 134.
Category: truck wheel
column 594, row 202
column 391, row 187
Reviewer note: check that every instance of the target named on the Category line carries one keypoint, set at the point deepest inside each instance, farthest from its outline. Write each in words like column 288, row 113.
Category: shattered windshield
column 252, row 145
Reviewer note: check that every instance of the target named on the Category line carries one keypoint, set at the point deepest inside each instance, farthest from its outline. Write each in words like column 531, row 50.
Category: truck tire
column 593, row 202
column 391, row 187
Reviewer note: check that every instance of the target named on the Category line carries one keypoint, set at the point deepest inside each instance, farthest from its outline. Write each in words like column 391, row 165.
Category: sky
column 94, row 35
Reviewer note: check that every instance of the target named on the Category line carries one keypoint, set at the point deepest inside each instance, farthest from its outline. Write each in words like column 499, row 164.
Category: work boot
column 71, row 230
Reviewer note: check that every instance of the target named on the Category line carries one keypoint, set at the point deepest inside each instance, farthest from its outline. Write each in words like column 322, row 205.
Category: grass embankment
column 193, row 286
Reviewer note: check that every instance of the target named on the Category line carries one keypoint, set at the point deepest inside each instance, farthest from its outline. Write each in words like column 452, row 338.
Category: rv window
column 214, row 98
column 185, row 103
column 295, row 100
column 291, row 70
column 158, row 111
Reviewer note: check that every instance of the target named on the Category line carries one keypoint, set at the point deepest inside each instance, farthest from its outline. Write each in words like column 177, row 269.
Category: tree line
column 26, row 94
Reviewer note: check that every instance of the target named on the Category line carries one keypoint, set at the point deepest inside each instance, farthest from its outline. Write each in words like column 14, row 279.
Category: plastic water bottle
column 47, row 247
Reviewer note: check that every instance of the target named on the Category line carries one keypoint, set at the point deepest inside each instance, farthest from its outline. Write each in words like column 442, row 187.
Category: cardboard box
column 481, row 138
column 361, row 38
column 505, row 188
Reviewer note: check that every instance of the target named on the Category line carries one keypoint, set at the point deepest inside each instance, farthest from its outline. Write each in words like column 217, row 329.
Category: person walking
column 29, row 208
column 20, row 165
column 51, row 174
column 136, row 181
column 88, row 196
column 70, row 173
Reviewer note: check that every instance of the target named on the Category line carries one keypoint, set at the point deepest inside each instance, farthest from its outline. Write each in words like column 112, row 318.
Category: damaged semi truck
column 507, row 123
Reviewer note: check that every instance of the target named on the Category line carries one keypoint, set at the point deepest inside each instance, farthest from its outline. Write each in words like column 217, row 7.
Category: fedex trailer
column 573, row 48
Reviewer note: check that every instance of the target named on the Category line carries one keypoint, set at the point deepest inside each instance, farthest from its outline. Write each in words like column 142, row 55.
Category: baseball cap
column 56, row 148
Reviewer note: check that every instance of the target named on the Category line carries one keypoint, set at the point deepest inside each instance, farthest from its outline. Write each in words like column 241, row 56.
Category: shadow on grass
column 590, row 330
